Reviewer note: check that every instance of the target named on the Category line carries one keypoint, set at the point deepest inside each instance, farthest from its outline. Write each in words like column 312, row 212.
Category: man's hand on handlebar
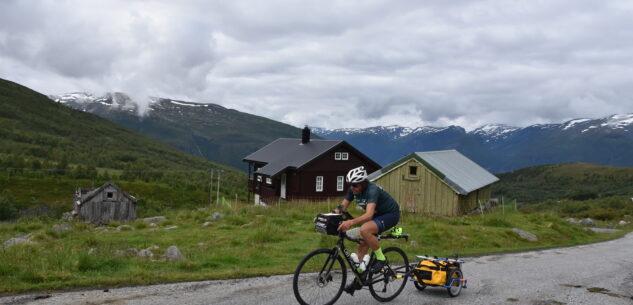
column 345, row 225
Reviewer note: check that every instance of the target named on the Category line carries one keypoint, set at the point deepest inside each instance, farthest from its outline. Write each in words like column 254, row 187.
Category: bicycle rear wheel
column 388, row 283
column 319, row 278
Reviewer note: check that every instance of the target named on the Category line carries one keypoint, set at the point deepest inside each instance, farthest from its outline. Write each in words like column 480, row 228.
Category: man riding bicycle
column 382, row 212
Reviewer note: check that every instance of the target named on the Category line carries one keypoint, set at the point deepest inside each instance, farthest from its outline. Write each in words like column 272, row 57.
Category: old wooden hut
column 104, row 204
column 436, row 183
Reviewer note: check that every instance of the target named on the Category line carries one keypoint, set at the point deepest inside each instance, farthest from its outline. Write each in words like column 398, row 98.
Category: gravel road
column 599, row 273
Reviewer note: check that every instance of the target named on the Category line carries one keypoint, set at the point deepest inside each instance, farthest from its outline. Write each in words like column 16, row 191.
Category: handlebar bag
column 328, row 223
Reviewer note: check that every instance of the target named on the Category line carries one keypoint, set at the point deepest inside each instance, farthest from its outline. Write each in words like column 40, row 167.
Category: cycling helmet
column 357, row 175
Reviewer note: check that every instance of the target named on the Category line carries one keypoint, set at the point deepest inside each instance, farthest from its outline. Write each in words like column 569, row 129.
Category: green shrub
column 8, row 210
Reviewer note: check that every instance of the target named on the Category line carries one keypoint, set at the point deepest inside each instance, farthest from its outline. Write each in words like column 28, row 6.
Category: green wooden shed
column 436, row 183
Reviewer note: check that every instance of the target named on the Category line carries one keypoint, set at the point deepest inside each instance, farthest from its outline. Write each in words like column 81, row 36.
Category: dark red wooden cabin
column 303, row 169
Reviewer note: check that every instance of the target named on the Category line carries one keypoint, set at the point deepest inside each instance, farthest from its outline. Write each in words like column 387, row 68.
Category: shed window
column 259, row 178
column 413, row 170
column 269, row 181
column 344, row 156
column 337, row 156
column 319, row 183
column 110, row 195
column 339, row 183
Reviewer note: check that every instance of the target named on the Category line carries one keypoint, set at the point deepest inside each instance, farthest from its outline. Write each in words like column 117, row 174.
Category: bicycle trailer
column 438, row 272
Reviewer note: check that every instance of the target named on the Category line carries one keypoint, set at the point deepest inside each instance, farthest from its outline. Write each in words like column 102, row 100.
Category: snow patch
column 571, row 123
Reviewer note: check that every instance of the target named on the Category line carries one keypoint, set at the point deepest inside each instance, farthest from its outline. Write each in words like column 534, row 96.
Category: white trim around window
column 344, row 156
column 269, row 181
column 340, row 182
column 319, row 183
column 337, row 156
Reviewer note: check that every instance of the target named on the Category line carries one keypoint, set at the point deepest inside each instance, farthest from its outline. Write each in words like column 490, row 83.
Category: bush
column 8, row 210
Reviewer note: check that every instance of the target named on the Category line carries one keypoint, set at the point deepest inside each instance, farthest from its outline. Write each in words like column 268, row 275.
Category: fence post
column 481, row 208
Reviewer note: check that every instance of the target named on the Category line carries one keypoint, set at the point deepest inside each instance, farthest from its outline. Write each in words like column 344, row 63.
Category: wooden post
column 515, row 205
column 481, row 208
column 218, row 193
column 211, row 187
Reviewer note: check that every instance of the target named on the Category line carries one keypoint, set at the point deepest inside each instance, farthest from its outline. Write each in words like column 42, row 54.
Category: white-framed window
column 259, row 178
column 269, row 181
column 344, row 156
column 340, row 182
column 337, row 156
column 319, row 183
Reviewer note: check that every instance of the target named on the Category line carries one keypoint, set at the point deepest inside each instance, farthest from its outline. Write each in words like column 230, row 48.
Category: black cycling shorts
column 387, row 221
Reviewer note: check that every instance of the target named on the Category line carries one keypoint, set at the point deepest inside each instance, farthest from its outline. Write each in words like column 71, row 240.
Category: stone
column 216, row 216
column 154, row 247
column 413, row 243
column 602, row 230
column 67, row 216
column 173, row 254
column 572, row 221
column 153, row 225
column 92, row 251
column 206, row 224
column 170, row 228
column 17, row 241
column 145, row 253
column 525, row 234
column 623, row 223
column 132, row 252
column 124, row 228
column 62, row 227
column 155, row 219
column 588, row 222
column 119, row 253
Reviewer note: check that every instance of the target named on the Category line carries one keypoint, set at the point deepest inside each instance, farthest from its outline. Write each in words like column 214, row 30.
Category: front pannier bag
column 328, row 223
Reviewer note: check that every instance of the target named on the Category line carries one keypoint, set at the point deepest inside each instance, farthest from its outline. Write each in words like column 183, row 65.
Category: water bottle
column 354, row 257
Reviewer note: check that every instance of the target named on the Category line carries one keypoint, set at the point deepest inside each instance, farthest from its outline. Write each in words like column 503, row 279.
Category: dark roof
column 461, row 173
column 86, row 195
column 283, row 153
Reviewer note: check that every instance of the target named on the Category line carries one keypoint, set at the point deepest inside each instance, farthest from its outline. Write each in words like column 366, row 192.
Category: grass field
column 247, row 241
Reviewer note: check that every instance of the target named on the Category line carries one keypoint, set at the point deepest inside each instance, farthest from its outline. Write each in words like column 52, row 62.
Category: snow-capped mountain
column 207, row 130
column 501, row 148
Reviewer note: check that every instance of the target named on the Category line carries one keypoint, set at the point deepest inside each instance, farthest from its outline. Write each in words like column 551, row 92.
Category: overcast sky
column 336, row 63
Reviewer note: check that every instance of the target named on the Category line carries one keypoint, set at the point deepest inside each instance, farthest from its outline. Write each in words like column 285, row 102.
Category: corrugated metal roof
column 461, row 173
column 283, row 153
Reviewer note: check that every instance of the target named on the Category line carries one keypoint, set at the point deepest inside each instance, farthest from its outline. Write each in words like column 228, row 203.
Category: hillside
column 206, row 130
column 41, row 139
column 576, row 181
column 501, row 148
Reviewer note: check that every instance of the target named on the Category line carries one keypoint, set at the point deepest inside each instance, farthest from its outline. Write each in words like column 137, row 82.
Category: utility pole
column 210, row 187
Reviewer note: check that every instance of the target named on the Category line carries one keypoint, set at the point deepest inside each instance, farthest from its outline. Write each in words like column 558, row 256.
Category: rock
column 154, row 247
column 67, row 216
column 170, row 228
column 413, row 243
column 588, row 222
column 92, row 251
column 174, row 254
column 62, row 227
column 119, row 253
column 200, row 244
column 153, row 225
column 216, row 216
column 623, row 223
column 155, row 219
column 132, row 252
column 145, row 253
column 17, row 241
column 572, row 221
column 124, row 228
column 602, row 230
column 206, row 224
column 525, row 235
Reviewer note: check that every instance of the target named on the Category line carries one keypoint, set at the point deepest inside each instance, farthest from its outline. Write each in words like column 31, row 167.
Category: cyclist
column 382, row 212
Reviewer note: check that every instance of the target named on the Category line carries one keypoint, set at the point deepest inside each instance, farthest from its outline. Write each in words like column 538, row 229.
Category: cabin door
column 282, row 189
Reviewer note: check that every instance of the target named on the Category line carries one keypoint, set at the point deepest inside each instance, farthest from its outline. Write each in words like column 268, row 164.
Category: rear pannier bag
column 328, row 223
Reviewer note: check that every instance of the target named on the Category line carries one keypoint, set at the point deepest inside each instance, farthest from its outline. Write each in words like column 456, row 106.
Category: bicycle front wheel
column 388, row 283
column 319, row 278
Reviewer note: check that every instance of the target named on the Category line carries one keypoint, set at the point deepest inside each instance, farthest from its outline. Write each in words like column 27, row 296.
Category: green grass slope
column 575, row 181
column 43, row 141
